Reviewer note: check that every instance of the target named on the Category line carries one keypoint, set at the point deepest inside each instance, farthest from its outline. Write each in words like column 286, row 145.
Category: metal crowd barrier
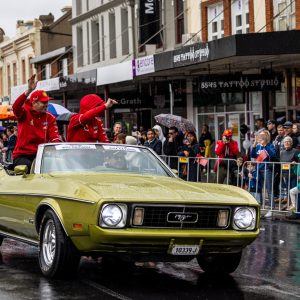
column 271, row 182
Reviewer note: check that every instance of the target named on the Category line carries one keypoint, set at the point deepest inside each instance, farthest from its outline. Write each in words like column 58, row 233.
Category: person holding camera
column 226, row 148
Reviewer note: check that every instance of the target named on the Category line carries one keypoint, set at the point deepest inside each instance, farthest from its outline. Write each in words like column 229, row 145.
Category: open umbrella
column 64, row 118
column 179, row 122
column 6, row 112
column 57, row 110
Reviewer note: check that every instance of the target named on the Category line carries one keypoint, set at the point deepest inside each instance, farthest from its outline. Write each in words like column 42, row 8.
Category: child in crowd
column 253, row 185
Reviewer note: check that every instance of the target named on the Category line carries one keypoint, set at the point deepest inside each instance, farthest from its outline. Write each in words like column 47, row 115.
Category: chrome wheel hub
column 49, row 243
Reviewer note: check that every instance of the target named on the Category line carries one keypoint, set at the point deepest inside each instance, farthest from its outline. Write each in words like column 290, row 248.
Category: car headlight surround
column 244, row 218
column 113, row 215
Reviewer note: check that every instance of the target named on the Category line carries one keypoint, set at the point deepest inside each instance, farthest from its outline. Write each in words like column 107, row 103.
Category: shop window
column 215, row 21
column 240, row 16
column 286, row 11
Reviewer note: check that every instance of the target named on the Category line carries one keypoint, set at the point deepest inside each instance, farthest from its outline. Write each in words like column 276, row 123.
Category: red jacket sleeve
column 91, row 114
column 102, row 136
column 234, row 148
column 220, row 149
column 53, row 135
column 18, row 108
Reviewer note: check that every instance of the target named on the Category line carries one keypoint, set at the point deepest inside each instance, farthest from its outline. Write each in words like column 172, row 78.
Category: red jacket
column 230, row 150
column 87, row 126
column 34, row 128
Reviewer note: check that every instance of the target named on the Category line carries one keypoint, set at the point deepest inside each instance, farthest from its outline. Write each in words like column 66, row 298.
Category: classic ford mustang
column 121, row 201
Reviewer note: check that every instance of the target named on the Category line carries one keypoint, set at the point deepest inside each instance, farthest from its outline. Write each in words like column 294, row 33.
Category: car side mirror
column 21, row 170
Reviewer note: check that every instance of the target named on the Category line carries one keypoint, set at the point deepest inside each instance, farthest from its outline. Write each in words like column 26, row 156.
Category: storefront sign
column 190, row 55
column 143, row 65
column 115, row 73
column 149, row 21
column 231, row 83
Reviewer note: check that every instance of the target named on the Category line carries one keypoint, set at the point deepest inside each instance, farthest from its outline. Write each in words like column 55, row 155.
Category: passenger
column 86, row 126
column 35, row 124
column 118, row 128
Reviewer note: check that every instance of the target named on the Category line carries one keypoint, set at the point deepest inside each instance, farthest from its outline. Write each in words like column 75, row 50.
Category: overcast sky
column 13, row 10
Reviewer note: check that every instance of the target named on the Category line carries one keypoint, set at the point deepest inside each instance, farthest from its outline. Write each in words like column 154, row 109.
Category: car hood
column 118, row 187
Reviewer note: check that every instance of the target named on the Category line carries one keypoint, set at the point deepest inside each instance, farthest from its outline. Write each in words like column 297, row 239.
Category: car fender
column 43, row 206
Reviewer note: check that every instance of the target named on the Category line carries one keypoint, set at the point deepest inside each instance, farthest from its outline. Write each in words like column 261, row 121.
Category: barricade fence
column 273, row 184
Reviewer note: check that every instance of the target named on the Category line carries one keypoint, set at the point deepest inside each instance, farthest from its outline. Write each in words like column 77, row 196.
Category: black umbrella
column 64, row 118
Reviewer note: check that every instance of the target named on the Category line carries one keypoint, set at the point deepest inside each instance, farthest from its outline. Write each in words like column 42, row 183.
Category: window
column 63, row 67
column 95, row 42
column 124, row 28
column 46, row 71
column 78, row 7
column 112, row 35
column 1, row 84
column 15, row 75
column 8, row 78
column 215, row 21
column 286, row 11
column 79, row 47
column 23, row 71
column 102, row 38
column 88, row 42
column 179, row 22
column 240, row 16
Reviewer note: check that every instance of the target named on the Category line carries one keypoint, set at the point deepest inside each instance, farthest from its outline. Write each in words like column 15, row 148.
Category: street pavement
column 270, row 269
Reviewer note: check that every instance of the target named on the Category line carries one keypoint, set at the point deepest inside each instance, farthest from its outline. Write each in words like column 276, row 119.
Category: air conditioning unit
column 190, row 38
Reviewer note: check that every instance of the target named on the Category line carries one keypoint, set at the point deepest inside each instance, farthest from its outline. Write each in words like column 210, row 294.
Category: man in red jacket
column 225, row 148
column 86, row 126
column 35, row 124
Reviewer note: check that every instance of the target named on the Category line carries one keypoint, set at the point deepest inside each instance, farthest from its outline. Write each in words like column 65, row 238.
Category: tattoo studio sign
column 230, row 83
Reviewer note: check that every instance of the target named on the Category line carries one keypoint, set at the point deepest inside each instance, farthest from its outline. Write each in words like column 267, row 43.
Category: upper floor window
column 78, row 7
column 286, row 11
column 63, row 67
column 179, row 21
column 15, row 74
column 46, row 71
column 240, row 16
column 215, row 19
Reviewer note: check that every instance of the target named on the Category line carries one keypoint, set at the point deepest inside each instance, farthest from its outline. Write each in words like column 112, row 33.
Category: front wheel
column 219, row 263
column 57, row 255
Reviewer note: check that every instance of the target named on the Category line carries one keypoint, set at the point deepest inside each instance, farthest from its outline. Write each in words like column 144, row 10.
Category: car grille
column 199, row 217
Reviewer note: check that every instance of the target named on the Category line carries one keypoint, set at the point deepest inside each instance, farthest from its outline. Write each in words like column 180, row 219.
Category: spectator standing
column 190, row 150
column 205, row 141
column 260, row 125
column 288, row 131
column 225, row 148
column 159, row 133
column 254, row 186
column 172, row 146
column 264, row 151
column 288, row 157
column 86, row 126
column 153, row 142
column 35, row 124
column 278, row 140
column 271, row 125
column 118, row 128
column 12, row 140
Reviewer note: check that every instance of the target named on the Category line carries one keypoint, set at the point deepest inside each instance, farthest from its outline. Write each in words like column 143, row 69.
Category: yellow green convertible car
column 121, row 201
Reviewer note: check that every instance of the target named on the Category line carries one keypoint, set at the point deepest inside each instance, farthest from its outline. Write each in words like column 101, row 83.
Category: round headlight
column 112, row 215
column 243, row 218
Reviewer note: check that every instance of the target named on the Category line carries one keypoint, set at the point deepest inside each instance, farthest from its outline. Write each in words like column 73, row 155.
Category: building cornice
column 97, row 10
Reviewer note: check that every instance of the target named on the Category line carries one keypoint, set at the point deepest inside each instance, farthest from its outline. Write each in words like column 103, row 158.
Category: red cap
column 39, row 95
column 227, row 132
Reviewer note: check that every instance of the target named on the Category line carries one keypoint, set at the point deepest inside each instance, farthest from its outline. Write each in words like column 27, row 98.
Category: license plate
column 185, row 250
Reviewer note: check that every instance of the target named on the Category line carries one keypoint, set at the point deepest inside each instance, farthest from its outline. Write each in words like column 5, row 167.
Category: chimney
column 46, row 20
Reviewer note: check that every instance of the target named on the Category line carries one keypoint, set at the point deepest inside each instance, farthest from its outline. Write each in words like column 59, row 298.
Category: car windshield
column 101, row 158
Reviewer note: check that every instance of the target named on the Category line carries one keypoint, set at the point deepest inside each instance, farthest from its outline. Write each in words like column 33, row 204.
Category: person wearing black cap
column 288, row 131
column 271, row 125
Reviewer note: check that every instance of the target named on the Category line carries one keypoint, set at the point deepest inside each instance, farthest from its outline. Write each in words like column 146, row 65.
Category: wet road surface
column 270, row 269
